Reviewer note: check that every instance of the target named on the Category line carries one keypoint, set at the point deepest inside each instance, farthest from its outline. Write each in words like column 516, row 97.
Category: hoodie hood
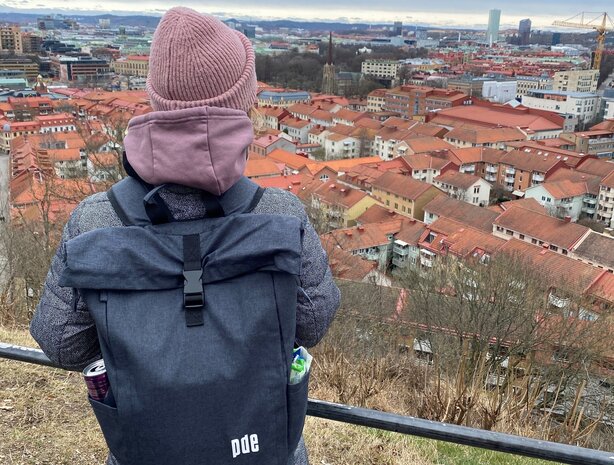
column 203, row 147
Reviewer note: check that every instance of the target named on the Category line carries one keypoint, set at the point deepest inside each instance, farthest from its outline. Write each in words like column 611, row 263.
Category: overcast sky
column 436, row 13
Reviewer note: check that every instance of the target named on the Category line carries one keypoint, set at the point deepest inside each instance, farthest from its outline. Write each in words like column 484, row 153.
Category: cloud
column 441, row 13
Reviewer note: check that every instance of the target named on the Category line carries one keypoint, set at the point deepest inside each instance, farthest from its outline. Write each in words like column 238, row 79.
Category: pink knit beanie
column 196, row 60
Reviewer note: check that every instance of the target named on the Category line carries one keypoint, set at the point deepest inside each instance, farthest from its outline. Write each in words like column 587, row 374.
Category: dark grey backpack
column 196, row 322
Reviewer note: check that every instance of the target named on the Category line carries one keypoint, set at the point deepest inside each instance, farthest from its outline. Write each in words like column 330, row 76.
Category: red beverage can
column 95, row 375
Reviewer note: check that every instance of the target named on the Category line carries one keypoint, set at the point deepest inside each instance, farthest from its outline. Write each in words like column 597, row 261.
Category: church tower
column 329, row 78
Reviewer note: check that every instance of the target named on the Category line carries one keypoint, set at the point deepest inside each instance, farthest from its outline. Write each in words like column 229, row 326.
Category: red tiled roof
column 476, row 155
column 497, row 115
column 543, row 227
column 597, row 248
column 349, row 115
column 460, row 239
column 404, row 186
column 368, row 123
column 530, row 162
column 462, row 212
column 528, row 204
column 378, row 214
column 603, row 287
column 427, row 144
column 365, row 236
column 344, row 265
column 362, row 175
column 485, row 135
column 456, row 179
column 565, row 174
column 423, row 161
column 565, row 189
column 334, row 193
column 289, row 159
column 411, row 231
column 596, row 167
column 293, row 183
column 556, row 269
column 295, row 123
column 608, row 181
column 261, row 166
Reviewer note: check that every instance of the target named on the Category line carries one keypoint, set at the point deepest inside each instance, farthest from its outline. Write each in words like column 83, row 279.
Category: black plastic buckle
column 193, row 295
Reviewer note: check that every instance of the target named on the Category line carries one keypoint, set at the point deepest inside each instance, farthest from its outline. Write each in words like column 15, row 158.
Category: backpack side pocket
column 108, row 419
column 297, row 409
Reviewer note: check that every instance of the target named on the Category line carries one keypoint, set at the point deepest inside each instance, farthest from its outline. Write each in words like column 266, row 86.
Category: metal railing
column 500, row 442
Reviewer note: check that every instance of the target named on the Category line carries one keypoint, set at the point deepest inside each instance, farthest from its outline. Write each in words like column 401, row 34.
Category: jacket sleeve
column 61, row 325
column 319, row 296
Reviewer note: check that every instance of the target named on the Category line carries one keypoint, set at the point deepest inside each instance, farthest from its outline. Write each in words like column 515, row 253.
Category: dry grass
column 46, row 420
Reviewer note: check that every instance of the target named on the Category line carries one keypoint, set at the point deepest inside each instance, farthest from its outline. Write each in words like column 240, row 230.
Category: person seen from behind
column 192, row 151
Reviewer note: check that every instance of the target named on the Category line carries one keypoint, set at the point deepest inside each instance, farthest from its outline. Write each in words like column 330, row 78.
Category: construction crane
column 583, row 21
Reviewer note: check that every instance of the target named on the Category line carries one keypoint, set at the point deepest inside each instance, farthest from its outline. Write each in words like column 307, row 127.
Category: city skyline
column 474, row 14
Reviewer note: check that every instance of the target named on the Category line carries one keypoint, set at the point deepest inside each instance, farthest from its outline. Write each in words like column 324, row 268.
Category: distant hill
column 128, row 20
column 152, row 21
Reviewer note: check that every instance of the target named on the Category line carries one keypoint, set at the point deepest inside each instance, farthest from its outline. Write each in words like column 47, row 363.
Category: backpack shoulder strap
column 255, row 200
column 126, row 197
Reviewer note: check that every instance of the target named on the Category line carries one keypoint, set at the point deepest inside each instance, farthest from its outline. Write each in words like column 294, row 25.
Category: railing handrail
column 500, row 442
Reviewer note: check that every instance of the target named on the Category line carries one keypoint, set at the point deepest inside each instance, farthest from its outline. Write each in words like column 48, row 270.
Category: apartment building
column 605, row 209
column 537, row 124
column 584, row 106
column 282, row 98
column 297, row 129
column 406, row 248
column 447, row 237
column 341, row 146
column 340, row 204
column 410, row 101
column 466, row 187
column 381, row 69
column 484, row 137
column 403, row 194
column 481, row 161
column 595, row 142
column 540, row 229
column 132, row 65
column 376, row 100
column 79, row 68
column 369, row 241
column 57, row 122
column 520, row 170
column 565, row 199
column 526, row 84
column 499, row 91
column 29, row 68
column 578, row 80
column 424, row 167
column 10, row 39
column 268, row 143
column 595, row 250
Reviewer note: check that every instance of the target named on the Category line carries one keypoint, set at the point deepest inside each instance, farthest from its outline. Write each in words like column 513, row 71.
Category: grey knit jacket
column 65, row 330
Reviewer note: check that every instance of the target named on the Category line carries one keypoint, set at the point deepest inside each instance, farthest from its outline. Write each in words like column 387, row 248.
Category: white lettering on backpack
column 246, row 445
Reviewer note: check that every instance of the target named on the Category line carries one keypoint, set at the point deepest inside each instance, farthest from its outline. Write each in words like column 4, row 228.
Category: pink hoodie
column 203, row 147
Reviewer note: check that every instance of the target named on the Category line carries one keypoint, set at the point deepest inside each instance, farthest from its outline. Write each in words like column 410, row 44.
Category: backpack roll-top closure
column 151, row 258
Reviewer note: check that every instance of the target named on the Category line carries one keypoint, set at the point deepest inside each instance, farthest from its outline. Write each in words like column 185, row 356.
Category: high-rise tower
column 492, row 34
column 524, row 31
column 329, row 78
